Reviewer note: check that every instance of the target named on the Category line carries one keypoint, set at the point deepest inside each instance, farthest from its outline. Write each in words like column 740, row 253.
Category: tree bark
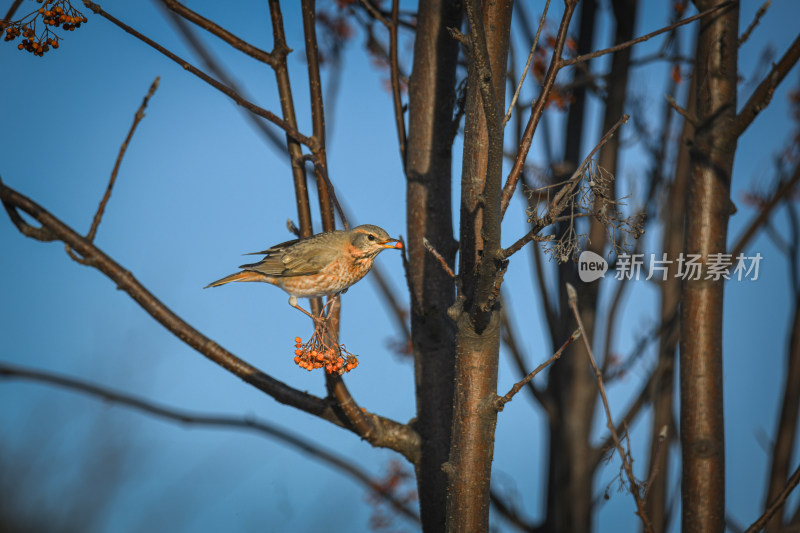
column 469, row 466
column 429, row 215
column 708, row 210
column 572, row 385
column 664, row 380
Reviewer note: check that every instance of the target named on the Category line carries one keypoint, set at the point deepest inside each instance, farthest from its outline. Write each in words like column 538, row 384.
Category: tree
column 464, row 69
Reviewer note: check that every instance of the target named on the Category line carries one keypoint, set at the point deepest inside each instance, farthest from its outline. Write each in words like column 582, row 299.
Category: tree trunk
column 476, row 315
column 572, row 385
column 429, row 215
column 708, row 209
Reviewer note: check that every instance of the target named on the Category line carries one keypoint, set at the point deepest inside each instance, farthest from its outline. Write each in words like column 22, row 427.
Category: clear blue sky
column 198, row 187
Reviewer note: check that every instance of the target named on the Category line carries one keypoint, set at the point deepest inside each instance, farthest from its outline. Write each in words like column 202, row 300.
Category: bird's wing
column 298, row 259
column 276, row 248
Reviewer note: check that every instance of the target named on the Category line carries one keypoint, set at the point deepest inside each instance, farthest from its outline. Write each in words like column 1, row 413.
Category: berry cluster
column 53, row 14
column 317, row 353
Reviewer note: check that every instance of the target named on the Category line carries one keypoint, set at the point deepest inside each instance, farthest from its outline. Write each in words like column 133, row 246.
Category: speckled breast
column 334, row 278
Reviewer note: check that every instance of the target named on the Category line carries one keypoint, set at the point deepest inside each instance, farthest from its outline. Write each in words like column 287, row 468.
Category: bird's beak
column 392, row 243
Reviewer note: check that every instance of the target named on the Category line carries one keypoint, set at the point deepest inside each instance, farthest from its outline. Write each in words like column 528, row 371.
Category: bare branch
column 612, row 49
column 509, row 339
column 559, row 202
column 253, row 108
column 763, row 93
column 623, row 455
column 764, row 213
column 400, row 122
column 136, row 119
column 556, row 63
column 429, row 247
column 527, row 64
column 322, row 172
column 393, row 435
column 246, row 423
column 11, row 10
column 502, row 401
column 777, row 504
column 222, row 33
column 210, row 62
column 681, row 111
column 754, row 23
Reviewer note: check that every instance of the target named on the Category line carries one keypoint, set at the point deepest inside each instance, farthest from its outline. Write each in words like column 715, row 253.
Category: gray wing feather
column 295, row 260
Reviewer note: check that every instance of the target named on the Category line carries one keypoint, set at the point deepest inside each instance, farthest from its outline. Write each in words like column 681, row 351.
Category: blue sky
column 197, row 188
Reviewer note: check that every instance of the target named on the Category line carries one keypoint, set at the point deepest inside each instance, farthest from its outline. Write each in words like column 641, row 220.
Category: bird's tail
column 245, row 275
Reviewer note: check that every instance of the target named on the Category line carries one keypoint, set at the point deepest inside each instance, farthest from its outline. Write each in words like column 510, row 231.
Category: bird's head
column 371, row 240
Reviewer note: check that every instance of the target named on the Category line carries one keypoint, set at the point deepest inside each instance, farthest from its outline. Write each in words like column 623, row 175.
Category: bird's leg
column 318, row 321
column 329, row 305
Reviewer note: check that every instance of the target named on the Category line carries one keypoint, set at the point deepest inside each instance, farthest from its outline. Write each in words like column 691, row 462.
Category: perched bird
column 325, row 264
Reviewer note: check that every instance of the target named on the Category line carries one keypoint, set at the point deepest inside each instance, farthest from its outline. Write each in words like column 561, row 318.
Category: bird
column 325, row 264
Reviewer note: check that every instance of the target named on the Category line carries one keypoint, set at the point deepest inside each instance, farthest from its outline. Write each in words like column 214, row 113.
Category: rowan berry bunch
column 320, row 352
column 52, row 14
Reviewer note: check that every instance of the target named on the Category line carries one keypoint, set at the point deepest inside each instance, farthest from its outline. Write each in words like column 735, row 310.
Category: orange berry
column 298, row 339
column 297, row 360
column 20, row 46
column 328, row 368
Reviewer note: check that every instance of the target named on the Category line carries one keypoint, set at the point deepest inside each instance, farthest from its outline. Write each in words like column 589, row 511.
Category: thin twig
column 323, row 172
column 253, row 108
column 508, row 337
column 394, row 63
column 764, row 213
column 662, row 437
column 222, row 33
column 763, row 93
column 624, row 457
column 681, row 111
column 556, row 62
column 502, row 401
column 136, row 119
column 777, row 503
column 754, row 23
column 246, row 423
column 435, row 253
column 214, row 66
column 98, row 216
column 628, row 44
column 527, row 65
column 558, row 204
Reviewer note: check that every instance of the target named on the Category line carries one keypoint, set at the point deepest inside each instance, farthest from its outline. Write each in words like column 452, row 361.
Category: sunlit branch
column 391, row 435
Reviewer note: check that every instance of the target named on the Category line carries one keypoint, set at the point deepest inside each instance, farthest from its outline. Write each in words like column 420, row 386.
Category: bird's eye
column 371, row 237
